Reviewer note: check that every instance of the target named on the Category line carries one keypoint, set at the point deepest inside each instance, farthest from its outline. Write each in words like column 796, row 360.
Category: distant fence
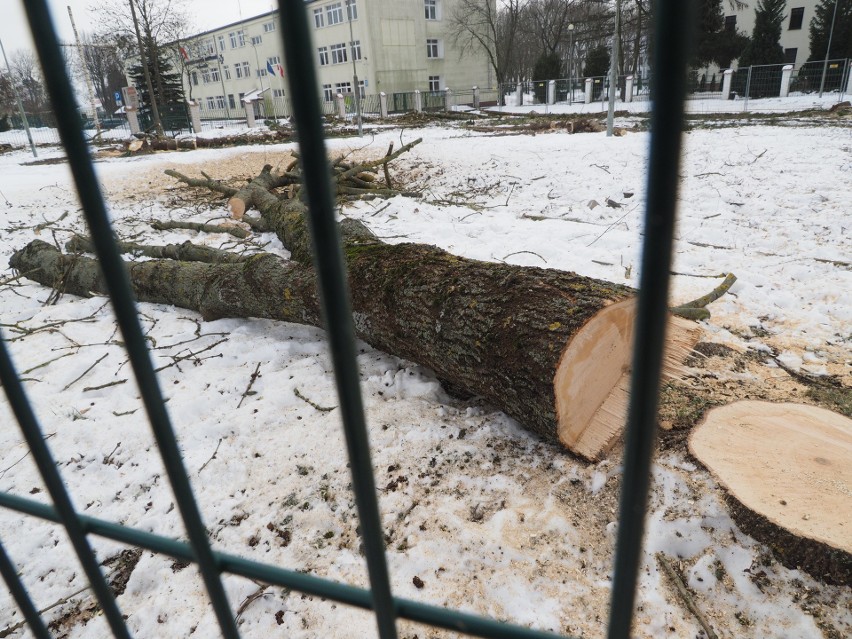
column 751, row 88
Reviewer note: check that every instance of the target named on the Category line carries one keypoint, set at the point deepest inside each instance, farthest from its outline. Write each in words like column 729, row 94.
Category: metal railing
column 673, row 16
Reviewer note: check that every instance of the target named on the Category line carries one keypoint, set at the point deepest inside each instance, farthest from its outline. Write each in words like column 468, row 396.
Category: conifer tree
column 820, row 28
column 765, row 44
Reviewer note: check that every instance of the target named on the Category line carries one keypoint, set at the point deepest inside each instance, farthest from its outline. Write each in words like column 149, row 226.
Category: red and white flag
column 184, row 54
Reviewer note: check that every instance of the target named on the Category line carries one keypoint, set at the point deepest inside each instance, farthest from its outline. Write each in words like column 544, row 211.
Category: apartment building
column 393, row 45
column 795, row 31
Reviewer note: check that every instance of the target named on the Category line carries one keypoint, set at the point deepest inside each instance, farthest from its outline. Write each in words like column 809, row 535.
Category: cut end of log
column 592, row 381
column 237, row 208
column 787, row 469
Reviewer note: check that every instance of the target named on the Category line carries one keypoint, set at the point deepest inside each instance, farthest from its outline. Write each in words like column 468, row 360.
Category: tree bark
column 550, row 348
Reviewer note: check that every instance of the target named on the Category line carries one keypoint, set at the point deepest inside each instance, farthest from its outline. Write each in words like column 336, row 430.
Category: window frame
column 323, row 56
column 433, row 49
column 319, row 18
column 797, row 19
column 338, row 53
column 434, row 83
column 334, row 14
column 431, row 9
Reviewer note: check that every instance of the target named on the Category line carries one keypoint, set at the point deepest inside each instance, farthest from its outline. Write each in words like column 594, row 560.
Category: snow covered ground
column 491, row 519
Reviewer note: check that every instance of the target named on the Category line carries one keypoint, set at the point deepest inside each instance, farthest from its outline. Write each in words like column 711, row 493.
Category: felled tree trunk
column 550, row 348
column 787, row 472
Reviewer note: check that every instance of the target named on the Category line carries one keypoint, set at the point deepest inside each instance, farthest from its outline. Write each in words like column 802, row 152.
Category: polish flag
column 184, row 54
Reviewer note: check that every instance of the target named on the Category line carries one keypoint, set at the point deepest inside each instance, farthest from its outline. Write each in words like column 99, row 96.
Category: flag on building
column 184, row 54
column 280, row 70
column 269, row 68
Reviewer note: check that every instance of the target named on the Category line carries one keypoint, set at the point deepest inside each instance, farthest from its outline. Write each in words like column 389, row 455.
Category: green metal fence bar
column 673, row 26
column 334, row 296
column 56, row 489
column 358, row 597
column 62, row 99
column 22, row 598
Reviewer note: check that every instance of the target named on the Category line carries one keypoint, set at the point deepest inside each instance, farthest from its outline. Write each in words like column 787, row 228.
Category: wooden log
column 787, row 472
column 550, row 348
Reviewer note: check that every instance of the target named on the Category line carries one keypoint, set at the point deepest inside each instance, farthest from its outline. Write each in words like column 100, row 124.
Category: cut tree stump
column 787, row 470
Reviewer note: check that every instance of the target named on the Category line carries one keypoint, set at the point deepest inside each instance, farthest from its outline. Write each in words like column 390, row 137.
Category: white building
column 392, row 45
column 795, row 31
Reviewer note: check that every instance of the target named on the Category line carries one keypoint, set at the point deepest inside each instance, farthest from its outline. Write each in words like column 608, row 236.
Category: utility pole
column 613, row 71
column 571, row 64
column 143, row 60
column 20, row 104
column 827, row 49
column 356, row 86
column 85, row 73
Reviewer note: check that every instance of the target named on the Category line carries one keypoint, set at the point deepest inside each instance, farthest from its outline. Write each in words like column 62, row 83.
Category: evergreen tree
column 841, row 40
column 169, row 88
column 715, row 43
column 597, row 62
column 547, row 67
column 765, row 44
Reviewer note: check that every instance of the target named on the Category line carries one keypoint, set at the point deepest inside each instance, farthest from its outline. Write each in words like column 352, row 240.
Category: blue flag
column 269, row 68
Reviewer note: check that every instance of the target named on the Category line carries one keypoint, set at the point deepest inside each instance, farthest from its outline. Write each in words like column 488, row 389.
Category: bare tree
column 161, row 22
column 103, row 63
column 26, row 74
column 479, row 25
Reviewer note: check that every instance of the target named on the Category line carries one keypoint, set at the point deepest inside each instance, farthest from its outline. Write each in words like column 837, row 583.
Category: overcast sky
column 204, row 15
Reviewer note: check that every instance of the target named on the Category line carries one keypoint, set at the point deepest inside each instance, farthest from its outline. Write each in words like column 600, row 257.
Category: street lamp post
column 827, row 50
column 571, row 62
column 356, row 86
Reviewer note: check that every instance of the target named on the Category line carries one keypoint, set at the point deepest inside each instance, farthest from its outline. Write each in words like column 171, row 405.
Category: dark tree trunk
column 550, row 348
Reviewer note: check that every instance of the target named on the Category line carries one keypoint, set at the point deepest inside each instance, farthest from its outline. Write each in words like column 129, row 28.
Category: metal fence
column 671, row 46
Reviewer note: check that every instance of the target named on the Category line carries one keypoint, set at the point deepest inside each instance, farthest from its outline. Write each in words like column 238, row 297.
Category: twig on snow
column 252, row 380
column 688, row 601
column 322, row 409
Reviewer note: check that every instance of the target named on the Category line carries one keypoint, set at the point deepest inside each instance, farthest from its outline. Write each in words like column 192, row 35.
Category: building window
column 232, row 36
column 338, row 53
column 274, row 60
column 277, row 93
column 790, row 56
column 323, row 56
column 209, row 47
column 227, row 72
column 205, row 75
column 362, row 88
column 231, row 102
column 433, row 50
column 221, row 42
column 730, row 23
column 256, row 40
column 194, row 77
column 318, row 19
column 327, row 95
column 260, row 72
column 431, row 9
column 434, row 83
column 242, row 70
column 351, row 10
column 214, row 75
column 268, row 26
column 334, row 13
column 343, row 87
column 797, row 16
column 356, row 50
column 211, row 103
column 240, row 97
column 220, row 101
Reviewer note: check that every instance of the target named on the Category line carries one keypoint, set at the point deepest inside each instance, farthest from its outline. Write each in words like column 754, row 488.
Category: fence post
column 195, row 116
column 249, row 107
column 628, row 88
column 727, row 76
column 341, row 106
column 132, row 119
column 786, row 76
column 418, row 101
column 475, row 97
column 849, row 77
column 448, row 99
column 519, row 95
column 551, row 91
column 588, row 96
column 383, row 104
